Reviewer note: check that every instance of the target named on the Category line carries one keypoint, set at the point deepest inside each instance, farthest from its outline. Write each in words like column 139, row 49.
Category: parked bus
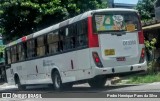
column 89, row 48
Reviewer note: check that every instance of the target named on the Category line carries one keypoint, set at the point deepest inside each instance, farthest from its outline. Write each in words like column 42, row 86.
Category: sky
column 126, row 1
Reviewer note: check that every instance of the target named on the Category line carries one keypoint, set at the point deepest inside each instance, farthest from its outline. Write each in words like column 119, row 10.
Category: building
column 123, row 5
column 151, row 29
column 112, row 4
column 157, row 10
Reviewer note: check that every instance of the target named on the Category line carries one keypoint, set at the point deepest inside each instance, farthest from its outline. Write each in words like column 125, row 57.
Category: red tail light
column 92, row 38
column 143, row 53
column 142, row 58
column 141, row 37
column 97, row 59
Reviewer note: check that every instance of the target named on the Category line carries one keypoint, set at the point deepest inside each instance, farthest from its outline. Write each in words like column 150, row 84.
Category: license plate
column 109, row 52
column 121, row 59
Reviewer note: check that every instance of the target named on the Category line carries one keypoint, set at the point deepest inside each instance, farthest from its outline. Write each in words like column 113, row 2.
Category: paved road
column 153, row 87
column 79, row 91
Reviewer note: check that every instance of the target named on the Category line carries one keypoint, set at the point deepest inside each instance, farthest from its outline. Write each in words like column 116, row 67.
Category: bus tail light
column 97, row 59
column 142, row 58
column 141, row 37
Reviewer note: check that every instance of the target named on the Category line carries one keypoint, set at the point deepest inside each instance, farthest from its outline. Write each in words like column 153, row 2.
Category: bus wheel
column 20, row 87
column 97, row 82
column 56, row 79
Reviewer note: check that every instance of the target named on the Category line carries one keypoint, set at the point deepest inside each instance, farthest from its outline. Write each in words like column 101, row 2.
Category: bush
column 154, row 66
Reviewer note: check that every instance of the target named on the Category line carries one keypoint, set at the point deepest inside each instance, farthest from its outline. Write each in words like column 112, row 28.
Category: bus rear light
column 142, row 58
column 141, row 37
column 97, row 59
column 143, row 53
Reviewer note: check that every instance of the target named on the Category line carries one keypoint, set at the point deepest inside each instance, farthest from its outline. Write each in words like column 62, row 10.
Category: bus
column 90, row 47
column 2, row 62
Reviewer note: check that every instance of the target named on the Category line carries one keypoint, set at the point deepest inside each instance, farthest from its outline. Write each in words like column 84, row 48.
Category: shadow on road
column 80, row 89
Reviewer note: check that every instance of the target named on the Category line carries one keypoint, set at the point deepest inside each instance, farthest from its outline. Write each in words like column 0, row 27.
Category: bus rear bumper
column 120, row 70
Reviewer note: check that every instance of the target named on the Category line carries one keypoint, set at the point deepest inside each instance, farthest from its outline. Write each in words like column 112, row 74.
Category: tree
column 22, row 17
column 145, row 8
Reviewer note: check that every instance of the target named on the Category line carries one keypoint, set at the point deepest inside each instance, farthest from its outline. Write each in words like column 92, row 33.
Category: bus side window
column 82, row 33
column 67, row 40
column 21, row 52
column 72, row 35
column 52, row 40
column 24, row 53
column 13, row 54
column 61, row 39
column 8, row 56
column 40, row 46
column 31, row 49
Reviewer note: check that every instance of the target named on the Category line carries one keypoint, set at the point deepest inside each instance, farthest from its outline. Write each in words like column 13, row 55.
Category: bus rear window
column 117, row 21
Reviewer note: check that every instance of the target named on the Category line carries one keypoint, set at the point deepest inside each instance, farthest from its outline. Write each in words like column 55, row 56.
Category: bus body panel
column 10, row 76
column 107, row 70
column 120, row 38
column 38, row 71
column 124, row 46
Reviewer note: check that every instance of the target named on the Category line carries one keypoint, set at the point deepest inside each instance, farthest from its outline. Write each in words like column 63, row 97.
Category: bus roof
column 66, row 22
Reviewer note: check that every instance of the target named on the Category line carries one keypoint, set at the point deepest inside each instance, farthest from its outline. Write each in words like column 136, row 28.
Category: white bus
column 89, row 48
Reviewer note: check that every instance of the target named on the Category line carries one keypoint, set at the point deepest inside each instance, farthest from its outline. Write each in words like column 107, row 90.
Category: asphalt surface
column 83, row 91
column 85, row 88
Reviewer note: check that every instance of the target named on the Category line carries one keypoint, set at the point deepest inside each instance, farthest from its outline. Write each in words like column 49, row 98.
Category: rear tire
column 20, row 87
column 56, row 79
column 97, row 82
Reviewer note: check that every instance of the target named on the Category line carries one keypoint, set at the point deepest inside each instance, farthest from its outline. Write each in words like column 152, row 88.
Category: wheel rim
column 57, row 81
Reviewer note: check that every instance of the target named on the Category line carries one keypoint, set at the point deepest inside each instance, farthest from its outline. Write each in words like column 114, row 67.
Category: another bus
column 2, row 62
column 89, row 48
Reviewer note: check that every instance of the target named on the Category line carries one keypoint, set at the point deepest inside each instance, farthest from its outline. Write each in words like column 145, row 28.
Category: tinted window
column 21, row 52
column 14, row 53
column 8, row 56
column 40, row 46
column 31, row 49
column 53, row 39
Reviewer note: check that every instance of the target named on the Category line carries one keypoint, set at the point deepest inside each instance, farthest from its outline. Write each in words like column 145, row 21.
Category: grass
column 149, row 78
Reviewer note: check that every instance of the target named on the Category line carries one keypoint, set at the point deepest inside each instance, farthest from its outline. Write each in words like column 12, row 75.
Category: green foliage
column 150, row 78
column 2, row 47
column 150, row 45
column 23, row 17
column 151, row 67
column 145, row 8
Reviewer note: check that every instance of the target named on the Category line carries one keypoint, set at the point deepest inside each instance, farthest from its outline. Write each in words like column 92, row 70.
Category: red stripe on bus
column 92, row 38
column 24, row 38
